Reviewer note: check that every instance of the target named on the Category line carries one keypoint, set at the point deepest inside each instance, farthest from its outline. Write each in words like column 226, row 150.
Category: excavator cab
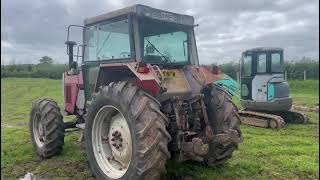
column 265, row 93
column 263, row 86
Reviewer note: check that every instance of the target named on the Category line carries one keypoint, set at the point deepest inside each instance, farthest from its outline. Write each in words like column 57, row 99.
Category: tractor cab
column 263, row 86
column 143, row 45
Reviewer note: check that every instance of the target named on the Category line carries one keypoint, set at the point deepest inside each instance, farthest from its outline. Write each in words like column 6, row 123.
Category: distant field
column 290, row 153
column 305, row 93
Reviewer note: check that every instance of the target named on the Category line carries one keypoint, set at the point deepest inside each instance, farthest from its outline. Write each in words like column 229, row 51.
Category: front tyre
column 125, row 134
column 46, row 128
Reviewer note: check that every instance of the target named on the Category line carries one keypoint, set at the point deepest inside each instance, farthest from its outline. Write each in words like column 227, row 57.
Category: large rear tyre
column 125, row 134
column 224, row 119
column 46, row 128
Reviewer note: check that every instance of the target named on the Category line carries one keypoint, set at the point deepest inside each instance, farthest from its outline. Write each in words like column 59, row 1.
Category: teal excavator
column 263, row 90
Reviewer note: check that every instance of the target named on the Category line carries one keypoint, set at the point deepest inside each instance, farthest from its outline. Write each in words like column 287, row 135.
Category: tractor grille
column 68, row 93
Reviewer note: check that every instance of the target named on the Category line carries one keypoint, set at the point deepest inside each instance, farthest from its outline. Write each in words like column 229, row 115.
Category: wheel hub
column 120, row 140
column 41, row 130
column 111, row 141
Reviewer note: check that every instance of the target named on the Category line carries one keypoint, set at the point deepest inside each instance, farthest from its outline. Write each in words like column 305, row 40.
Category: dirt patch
column 22, row 124
column 306, row 109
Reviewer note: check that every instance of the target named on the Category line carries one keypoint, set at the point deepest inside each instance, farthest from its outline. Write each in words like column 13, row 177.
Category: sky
column 35, row 28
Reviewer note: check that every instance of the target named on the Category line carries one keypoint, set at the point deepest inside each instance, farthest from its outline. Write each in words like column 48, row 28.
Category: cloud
column 34, row 28
column 6, row 44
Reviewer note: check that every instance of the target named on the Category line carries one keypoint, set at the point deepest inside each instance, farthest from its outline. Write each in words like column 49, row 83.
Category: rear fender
column 116, row 72
column 206, row 77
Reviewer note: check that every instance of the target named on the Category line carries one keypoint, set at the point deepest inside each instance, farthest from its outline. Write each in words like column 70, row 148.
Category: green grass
column 305, row 93
column 290, row 153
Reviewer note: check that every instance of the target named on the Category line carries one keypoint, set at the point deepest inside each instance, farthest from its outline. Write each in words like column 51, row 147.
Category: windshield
column 107, row 41
column 164, row 43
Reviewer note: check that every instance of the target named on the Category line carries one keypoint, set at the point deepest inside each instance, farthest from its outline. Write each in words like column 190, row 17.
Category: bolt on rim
column 38, row 130
column 111, row 141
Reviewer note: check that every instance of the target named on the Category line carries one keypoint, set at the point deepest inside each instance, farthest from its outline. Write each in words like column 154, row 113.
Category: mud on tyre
column 46, row 128
column 224, row 118
column 141, row 124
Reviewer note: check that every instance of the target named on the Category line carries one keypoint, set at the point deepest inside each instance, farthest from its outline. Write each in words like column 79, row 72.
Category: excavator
column 264, row 91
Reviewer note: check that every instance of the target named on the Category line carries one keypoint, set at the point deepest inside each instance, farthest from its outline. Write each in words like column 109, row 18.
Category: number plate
column 169, row 74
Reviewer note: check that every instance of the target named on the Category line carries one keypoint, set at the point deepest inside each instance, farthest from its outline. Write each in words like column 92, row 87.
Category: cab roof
column 257, row 49
column 145, row 11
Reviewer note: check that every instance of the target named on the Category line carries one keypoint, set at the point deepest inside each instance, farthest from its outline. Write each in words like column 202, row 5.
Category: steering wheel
column 124, row 55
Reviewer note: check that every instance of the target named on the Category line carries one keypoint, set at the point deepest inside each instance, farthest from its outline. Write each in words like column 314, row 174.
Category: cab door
column 246, row 76
column 261, row 78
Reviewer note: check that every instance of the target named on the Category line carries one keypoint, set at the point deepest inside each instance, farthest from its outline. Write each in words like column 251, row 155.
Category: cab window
column 276, row 64
column 247, row 60
column 262, row 63
column 108, row 41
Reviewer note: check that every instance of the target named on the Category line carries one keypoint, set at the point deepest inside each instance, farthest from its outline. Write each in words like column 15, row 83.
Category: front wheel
column 46, row 128
column 125, row 134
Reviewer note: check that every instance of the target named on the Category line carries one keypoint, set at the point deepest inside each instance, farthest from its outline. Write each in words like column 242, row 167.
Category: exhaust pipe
column 70, row 45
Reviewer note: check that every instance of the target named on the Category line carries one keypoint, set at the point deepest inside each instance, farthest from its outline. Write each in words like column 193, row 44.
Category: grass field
column 289, row 153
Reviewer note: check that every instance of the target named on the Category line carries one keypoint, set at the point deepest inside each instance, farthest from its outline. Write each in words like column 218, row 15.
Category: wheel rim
column 38, row 130
column 111, row 142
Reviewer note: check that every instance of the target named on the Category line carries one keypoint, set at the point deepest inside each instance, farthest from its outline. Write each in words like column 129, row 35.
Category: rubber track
column 292, row 116
column 260, row 119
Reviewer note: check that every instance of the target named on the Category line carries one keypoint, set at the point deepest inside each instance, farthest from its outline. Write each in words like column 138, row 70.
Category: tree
column 46, row 60
column 29, row 68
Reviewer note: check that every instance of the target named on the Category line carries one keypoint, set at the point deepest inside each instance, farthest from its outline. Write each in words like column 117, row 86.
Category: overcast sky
column 34, row 28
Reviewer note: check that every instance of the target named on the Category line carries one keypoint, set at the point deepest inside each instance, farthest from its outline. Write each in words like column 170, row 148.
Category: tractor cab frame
column 123, row 41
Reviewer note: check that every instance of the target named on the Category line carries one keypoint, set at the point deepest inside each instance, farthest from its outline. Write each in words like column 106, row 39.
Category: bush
column 52, row 71
column 294, row 69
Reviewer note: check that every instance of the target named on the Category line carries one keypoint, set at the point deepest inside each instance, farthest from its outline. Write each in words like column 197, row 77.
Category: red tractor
column 140, row 96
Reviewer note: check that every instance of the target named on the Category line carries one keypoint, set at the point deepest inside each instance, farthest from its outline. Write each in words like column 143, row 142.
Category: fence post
column 285, row 75
column 304, row 75
column 238, row 76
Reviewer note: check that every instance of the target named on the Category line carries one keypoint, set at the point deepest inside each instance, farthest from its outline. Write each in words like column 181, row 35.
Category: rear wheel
column 125, row 134
column 46, row 128
column 224, row 119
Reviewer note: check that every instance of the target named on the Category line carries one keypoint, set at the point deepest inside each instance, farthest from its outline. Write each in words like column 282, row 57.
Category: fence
column 301, row 70
column 285, row 75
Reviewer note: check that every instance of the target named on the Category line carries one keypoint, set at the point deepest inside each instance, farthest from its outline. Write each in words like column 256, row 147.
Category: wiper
column 166, row 59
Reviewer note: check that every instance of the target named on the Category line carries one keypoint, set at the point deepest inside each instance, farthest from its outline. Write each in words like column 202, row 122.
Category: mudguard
column 225, row 82
column 72, row 83
column 128, row 72
column 229, row 85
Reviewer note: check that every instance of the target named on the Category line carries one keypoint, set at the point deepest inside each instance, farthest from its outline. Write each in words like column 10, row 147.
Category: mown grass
column 289, row 153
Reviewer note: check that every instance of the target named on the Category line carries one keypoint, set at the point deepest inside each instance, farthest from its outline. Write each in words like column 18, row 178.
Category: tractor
column 265, row 93
column 140, row 97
